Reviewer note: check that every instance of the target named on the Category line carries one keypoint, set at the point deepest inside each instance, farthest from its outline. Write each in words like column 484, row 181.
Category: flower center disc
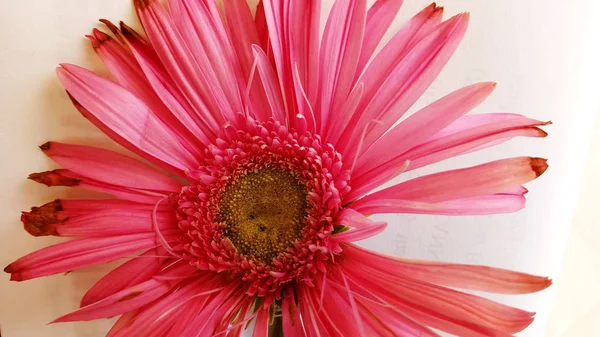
column 264, row 213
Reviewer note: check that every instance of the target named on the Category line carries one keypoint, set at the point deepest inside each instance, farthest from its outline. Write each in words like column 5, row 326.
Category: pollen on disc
column 263, row 213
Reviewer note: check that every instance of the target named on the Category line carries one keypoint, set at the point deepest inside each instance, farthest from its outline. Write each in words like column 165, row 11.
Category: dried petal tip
column 141, row 4
column 111, row 26
column 9, row 269
column 100, row 35
column 46, row 146
column 53, row 178
column 41, row 220
column 538, row 165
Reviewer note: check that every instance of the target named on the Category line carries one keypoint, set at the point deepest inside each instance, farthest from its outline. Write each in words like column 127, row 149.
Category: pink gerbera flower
column 265, row 142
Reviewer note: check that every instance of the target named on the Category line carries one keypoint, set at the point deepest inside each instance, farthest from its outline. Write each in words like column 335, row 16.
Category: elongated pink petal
column 124, row 68
column 93, row 218
column 340, row 50
column 79, row 253
column 423, row 124
column 310, row 317
column 339, row 121
column 491, row 178
column 271, row 84
column 109, row 167
column 177, row 58
column 202, row 31
column 444, row 309
column 123, row 301
column 481, row 205
column 473, row 139
column 304, row 25
column 161, row 315
column 63, row 177
column 292, row 323
column 275, row 16
column 396, row 321
column 449, row 308
column 379, row 18
column 408, row 80
column 243, row 34
column 164, row 86
column 360, row 234
column 242, row 31
column 472, row 277
column 261, row 325
column 130, row 273
column 470, row 134
column 262, row 29
column 127, row 116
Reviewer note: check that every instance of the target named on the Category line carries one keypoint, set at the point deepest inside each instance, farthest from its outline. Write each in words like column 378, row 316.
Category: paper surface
column 543, row 55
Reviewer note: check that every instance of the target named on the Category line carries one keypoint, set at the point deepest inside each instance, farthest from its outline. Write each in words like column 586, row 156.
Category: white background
column 543, row 53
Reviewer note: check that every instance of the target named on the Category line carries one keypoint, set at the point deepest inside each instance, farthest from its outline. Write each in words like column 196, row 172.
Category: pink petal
column 160, row 314
column 481, row 205
column 261, row 325
column 379, row 18
column 243, row 34
column 189, row 76
column 62, row 177
column 123, row 301
column 490, row 178
column 390, row 56
column 262, row 29
column 443, row 308
column 275, row 12
column 124, row 68
column 473, row 139
column 271, row 84
column 340, row 50
column 423, row 124
column 408, row 80
column 360, row 234
column 109, row 167
column 292, row 323
column 202, row 31
column 304, row 24
column 93, row 218
column 472, row 277
column 134, row 124
column 130, row 273
column 472, row 133
column 77, row 254
column 164, row 86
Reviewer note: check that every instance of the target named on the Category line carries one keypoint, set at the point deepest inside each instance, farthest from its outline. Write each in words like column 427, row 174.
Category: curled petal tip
column 539, row 165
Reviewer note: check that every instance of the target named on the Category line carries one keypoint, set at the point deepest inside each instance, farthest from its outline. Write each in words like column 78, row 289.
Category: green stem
column 276, row 329
column 276, row 326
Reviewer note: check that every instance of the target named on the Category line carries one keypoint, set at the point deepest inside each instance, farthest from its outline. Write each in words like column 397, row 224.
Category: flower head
column 267, row 147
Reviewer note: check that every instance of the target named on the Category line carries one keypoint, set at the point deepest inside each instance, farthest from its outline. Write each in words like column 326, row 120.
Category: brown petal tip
column 9, row 269
column 142, row 4
column 111, row 26
column 53, row 178
column 46, row 146
column 42, row 221
column 538, row 165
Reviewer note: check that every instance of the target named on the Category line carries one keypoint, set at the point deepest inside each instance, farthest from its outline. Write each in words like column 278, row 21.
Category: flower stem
column 276, row 326
column 276, row 329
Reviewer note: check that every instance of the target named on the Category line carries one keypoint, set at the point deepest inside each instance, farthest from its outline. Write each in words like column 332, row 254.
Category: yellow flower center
column 264, row 213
